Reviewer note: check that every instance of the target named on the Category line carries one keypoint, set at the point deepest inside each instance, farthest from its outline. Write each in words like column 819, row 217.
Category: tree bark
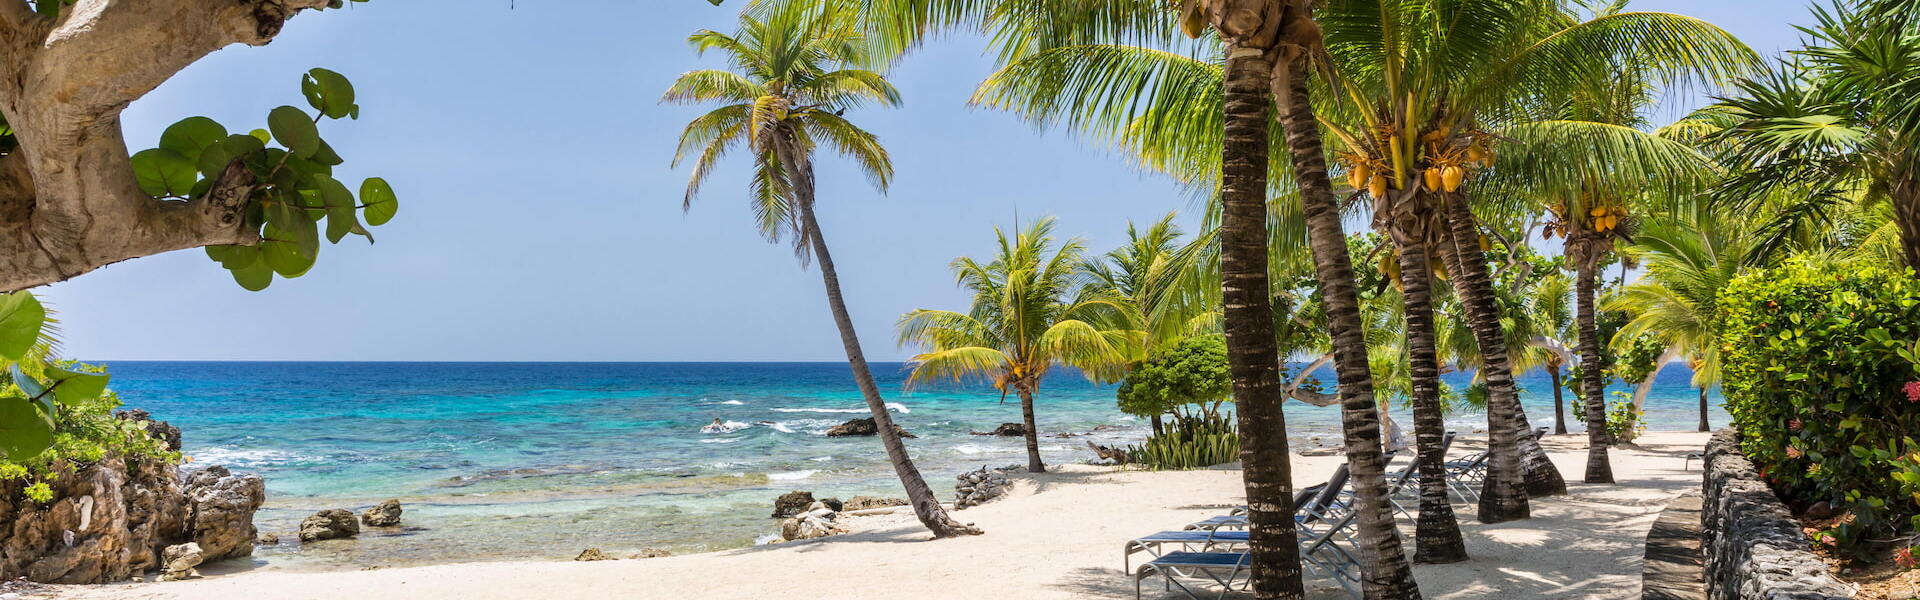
column 63, row 85
column 1436, row 533
column 1034, row 465
column 1559, row 402
column 1906, row 212
column 1504, row 496
column 1703, row 409
column 1387, row 574
column 925, row 504
column 1592, row 388
column 1253, row 353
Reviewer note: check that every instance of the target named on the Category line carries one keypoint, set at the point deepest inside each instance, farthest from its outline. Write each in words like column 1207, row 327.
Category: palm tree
column 1151, row 274
column 1841, row 119
column 1028, row 315
column 787, row 92
column 1549, row 307
column 1688, row 262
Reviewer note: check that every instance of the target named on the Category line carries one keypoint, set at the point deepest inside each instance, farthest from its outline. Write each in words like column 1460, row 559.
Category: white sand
column 1058, row 535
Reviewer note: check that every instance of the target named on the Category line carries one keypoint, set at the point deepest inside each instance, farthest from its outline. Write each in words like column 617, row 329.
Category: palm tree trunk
column 1504, row 496
column 1387, row 574
column 1253, row 353
column 1906, row 212
column 1559, row 402
column 1436, row 533
column 926, row 505
column 1033, row 434
column 1157, row 425
column 1599, row 469
column 1703, row 409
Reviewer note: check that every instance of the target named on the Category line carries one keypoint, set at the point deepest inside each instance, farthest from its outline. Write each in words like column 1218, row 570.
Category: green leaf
column 191, row 135
column 24, row 431
column 287, row 252
column 73, row 387
column 295, row 130
column 261, row 134
column 341, row 219
column 331, row 93
column 380, row 201
column 235, row 256
column 213, row 161
column 163, row 172
column 254, row 277
column 21, row 317
column 326, row 156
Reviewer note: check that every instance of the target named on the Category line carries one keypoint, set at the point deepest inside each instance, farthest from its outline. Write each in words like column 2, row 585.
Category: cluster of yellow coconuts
column 1606, row 218
column 1446, row 173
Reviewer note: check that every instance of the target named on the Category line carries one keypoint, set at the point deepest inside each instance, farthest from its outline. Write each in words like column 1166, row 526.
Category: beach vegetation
column 1820, row 362
column 1188, row 380
column 1189, row 442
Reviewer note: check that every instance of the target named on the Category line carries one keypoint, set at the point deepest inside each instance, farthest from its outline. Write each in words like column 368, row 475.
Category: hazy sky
column 540, row 219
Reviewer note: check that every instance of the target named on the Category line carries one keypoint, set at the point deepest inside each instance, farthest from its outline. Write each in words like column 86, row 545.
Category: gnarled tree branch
column 62, row 89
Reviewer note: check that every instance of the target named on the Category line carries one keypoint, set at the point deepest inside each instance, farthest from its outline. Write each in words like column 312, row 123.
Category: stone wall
column 1754, row 548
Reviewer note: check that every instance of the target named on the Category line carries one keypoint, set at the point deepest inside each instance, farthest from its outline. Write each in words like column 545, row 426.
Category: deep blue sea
column 540, row 460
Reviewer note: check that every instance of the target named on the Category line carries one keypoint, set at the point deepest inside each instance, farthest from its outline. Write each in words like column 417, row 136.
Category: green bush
column 85, row 433
column 1191, row 373
column 1190, row 443
column 1820, row 376
column 1624, row 422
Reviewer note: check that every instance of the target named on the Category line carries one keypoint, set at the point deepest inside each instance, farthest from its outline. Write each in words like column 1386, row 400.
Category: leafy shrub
column 1820, row 365
column 1192, row 373
column 1190, row 443
column 85, row 433
column 1624, row 422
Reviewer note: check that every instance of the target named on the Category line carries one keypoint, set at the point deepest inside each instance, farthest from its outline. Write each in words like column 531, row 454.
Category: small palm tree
column 1028, row 316
column 1550, row 306
column 787, row 92
column 1687, row 264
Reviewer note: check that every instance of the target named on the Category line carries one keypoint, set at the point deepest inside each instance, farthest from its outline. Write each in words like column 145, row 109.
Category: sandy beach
column 1057, row 535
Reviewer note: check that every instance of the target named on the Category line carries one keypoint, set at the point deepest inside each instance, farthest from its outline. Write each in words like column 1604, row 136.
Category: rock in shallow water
column 332, row 523
column 387, row 514
column 791, row 503
column 864, row 426
column 593, row 554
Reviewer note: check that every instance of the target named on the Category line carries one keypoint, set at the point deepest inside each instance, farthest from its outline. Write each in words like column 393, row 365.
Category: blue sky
column 540, row 219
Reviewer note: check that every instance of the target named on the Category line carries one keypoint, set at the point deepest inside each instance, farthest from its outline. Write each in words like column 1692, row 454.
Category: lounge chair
column 1170, row 565
column 1323, row 526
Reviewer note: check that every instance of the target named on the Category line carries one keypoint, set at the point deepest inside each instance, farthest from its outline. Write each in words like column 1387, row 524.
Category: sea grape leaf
column 73, row 387
column 25, row 432
column 21, row 316
column 191, row 135
column 380, row 202
column 295, row 130
column 163, row 172
column 340, row 210
column 328, row 92
column 254, row 277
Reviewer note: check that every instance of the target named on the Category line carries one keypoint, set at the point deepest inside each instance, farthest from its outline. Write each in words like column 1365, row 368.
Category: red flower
column 1913, row 391
column 1904, row 558
column 1793, row 452
column 1794, row 425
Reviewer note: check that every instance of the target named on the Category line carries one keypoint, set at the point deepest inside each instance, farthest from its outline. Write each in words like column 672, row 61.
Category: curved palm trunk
column 1703, row 409
column 926, row 506
column 1033, row 434
column 1906, row 212
column 1437, row 532
column 1253, row 353
column 1592, row 389
column 1559, row 402
column 1387, row 574
column 1504, row 496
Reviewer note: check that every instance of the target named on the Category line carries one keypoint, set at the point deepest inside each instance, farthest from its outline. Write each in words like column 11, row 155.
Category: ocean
column 507, row 461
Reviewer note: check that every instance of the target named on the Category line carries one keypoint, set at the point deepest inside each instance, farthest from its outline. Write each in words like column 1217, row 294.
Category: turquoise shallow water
column 539, row 460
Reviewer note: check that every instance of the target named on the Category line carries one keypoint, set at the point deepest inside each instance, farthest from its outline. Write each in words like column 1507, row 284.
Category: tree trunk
column 1033, row 433
column 1599, row 469
column 1157, row 425
column 1559, row 402
column 1906, row 212
column 1437, row 533
column 1253, row 353
column 1703, row 409
column 1387, row 574
column 1504, row 495
column 926, row 505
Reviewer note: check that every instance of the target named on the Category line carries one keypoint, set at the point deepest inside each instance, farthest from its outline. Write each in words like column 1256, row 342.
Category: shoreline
column 1057, row 535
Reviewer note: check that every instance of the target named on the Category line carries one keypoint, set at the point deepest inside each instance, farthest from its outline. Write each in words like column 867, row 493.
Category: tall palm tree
column 1150, row 273
column 786, row 93
column 1028, row 315
column 1548, row 304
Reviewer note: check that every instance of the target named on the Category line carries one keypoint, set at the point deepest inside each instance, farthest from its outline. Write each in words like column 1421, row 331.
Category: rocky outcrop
column 862, row 427
column 978, row 487
column 791, row 503
column 1754, row 548
column 160, row 430
column 817, row 522
column 387, row 514
column 329, row 524
column 112, row 520
column 178, row 561
column 867, row 502
column 1006, row 430
column 593, row 554
column 220, row 507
